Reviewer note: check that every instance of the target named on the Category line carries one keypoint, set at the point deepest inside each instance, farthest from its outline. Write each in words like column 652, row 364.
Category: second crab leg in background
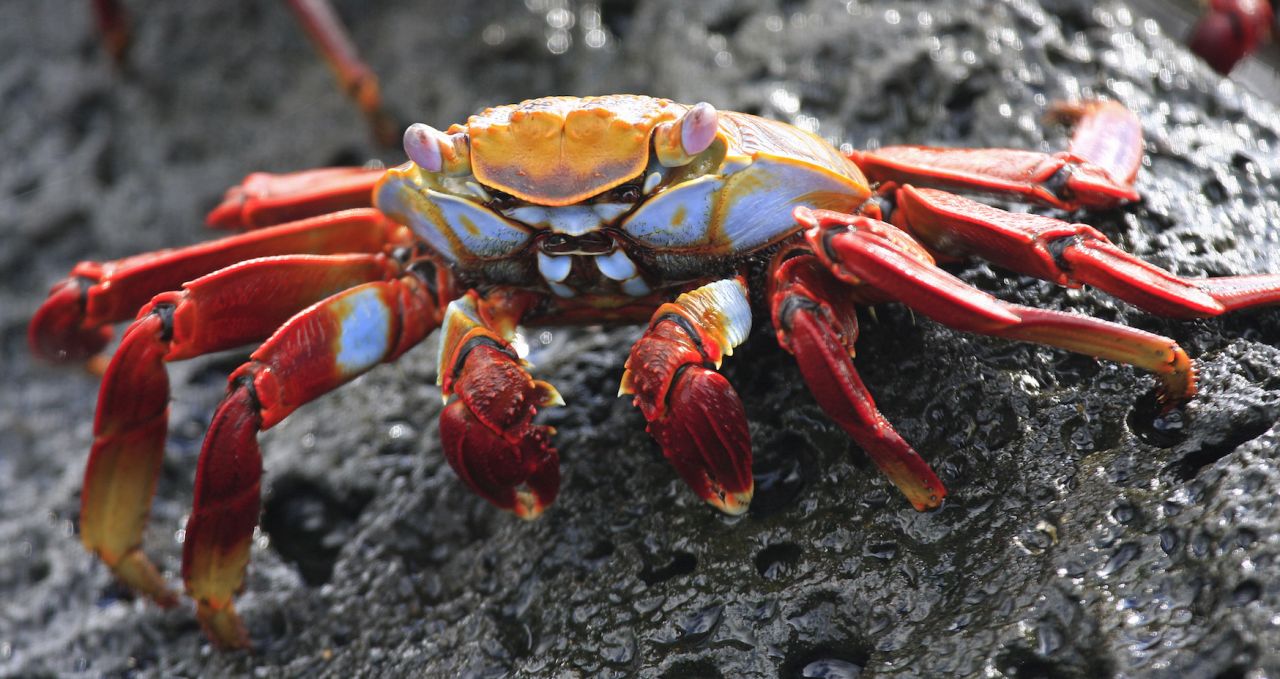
column 324, row 28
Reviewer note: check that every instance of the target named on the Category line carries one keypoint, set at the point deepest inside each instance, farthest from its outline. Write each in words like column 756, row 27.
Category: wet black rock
column 1073, row 543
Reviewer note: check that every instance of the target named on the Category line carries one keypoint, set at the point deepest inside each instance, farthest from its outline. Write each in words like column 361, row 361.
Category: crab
column 564, row 210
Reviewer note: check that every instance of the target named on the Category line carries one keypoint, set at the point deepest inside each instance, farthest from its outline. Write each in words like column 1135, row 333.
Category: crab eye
column 435, row 151
column 627, row 193
column 500, row 201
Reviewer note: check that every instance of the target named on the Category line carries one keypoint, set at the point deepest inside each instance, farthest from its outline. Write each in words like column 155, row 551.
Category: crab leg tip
column 550, row 396
column 528, row 506
column 732, row 504
column 222, row 625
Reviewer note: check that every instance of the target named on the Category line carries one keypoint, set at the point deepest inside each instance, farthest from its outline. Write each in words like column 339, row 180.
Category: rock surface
column 1076, row 542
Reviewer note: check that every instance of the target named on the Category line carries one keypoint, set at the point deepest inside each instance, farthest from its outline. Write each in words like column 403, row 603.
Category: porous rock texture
column 1078, row 539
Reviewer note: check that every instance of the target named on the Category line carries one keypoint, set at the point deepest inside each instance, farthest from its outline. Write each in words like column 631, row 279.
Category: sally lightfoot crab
column 620, row 209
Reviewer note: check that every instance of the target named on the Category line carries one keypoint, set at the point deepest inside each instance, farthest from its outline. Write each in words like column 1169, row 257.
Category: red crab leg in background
column 72, row 324
column 815, row 321
column 1071, row 255
column 1106, row 133
column 863, row 251
column 114, row 27
column 330, row 37
column 231, row 307
column 693, row 412
column 1229, row 31
column 1097, row 173
column 487, row 427
column 266, row 199
column 316, row 351
column 326, row 31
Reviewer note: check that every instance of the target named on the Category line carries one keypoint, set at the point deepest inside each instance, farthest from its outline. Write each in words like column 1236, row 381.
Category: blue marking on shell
column 366, row 332
column 458, row 229
column 763, row 195
column 678, row 217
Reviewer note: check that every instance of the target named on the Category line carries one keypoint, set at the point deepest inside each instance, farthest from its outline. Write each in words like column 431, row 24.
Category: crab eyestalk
column 435, row 151
column 680, row 141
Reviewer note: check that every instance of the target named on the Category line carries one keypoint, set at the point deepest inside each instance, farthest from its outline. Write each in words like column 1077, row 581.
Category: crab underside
column 562, row 211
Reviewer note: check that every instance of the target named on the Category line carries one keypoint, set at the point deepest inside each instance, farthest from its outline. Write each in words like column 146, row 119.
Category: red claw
column 488, row 433
column 703, row 433
column 693, row 412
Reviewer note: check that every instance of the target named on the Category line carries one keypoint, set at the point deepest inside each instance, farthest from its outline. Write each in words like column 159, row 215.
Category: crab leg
column 72, row 323
column 266, row 199
column 113, row 24
column 1097, row 173
column 316, row 351
column 693, row 412
column 1230, row 30
column 359, row 82
column 863, row 251
column 220, row 311
column 487, row 427
column 814, row 319
column 1071, row 255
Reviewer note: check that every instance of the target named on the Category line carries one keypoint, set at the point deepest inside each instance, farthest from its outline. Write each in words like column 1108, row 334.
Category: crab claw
column 703, row 433
column 679, row 141
column 57, row 331
column 693, row 412
column 435, row 151
column 487, row 431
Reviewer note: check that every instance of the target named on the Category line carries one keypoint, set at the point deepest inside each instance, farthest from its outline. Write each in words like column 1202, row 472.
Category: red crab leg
column 1071, row 255
column 814, row 318
column 265, row 199
column 72, row 323
column 1229, row 31
column 863, row 251
column 693, row 412
column 1097, row 173
column 316, row 351
column 1106, row 134
column 487, row 427
column 327, row 32
column 220, row 311
column 113, row 24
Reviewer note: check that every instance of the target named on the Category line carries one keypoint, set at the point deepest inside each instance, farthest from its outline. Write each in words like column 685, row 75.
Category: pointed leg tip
column 927, row 501
column 222, row 625
column 528, row 506
column 139, row 574
column 547, row 396
column 732, row 504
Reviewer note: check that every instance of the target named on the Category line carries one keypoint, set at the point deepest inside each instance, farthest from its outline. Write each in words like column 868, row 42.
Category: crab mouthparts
column 571, row 220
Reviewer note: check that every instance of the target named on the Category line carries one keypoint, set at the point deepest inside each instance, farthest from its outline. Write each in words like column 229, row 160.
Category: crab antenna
column 679, row 141
column 435, row 151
